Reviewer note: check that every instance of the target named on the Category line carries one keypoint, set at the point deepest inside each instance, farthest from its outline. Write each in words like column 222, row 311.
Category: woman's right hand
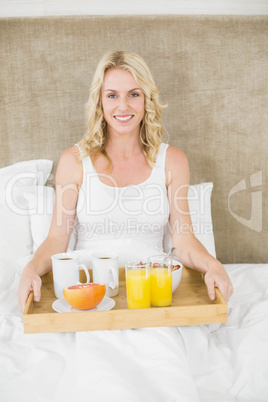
column 69, row 179
column 29, row 282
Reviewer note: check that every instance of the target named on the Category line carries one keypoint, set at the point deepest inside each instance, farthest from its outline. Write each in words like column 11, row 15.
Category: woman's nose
column 123, row 103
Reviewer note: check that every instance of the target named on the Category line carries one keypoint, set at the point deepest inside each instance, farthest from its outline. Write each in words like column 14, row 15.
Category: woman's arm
column 188, row 248
column 68, row 181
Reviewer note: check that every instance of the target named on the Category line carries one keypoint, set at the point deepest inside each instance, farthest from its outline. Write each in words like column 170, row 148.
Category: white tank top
column 125, row 216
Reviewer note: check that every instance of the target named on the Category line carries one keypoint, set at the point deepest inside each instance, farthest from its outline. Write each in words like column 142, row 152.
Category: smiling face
column 122, row 102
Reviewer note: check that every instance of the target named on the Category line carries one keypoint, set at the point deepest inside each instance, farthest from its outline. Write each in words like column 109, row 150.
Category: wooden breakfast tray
column 190, row 306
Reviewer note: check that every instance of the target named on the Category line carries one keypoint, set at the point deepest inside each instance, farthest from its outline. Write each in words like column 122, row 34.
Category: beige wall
column 16, row 8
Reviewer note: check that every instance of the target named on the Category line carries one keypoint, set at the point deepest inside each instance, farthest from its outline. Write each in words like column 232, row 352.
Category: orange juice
column 161, row 286
column 138, row 288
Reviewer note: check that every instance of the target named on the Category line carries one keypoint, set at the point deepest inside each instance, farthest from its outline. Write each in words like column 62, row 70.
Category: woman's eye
column 134, row 95
column 111, row 96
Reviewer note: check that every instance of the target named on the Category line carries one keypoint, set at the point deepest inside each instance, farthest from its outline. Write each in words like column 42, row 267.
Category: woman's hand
column 69, row 179
column 189, row 250
column 29, row 282
column 217, row 277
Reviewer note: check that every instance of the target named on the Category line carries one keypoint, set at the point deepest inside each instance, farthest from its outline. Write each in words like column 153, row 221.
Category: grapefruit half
column 84, row 296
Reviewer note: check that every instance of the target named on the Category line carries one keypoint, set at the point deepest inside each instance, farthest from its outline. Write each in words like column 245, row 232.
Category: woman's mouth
column 124, row 119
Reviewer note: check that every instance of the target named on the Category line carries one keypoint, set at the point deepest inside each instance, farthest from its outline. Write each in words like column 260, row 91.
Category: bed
column 212, row 70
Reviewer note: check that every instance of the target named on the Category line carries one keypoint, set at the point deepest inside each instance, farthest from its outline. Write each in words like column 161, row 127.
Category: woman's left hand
column 189, row 250
column 217, row 277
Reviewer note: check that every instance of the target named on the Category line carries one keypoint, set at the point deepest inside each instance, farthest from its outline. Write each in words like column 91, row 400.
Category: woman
column 121, row 180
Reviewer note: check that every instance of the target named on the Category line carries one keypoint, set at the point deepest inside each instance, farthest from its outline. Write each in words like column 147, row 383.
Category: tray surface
column 190, row 306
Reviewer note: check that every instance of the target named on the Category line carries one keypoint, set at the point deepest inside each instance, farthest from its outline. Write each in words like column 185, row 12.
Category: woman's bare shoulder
column 177, row 167
column 70, row 168
column 176, row 157
column 70, row 153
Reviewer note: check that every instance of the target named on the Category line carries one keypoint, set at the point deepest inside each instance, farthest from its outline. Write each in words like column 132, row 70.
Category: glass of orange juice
column 138, row 284
column 160, row 281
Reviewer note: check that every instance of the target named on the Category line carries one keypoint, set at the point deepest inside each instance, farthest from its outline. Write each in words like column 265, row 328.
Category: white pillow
column 15, row 234
column 199, row 199
column 26, row 173
column 40, row 205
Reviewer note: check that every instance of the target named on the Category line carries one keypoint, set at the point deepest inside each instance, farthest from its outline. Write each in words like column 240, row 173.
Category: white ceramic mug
column 65, row 268
column 105, row 269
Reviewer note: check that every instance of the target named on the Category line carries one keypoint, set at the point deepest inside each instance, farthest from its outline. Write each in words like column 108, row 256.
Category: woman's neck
column 124, row 147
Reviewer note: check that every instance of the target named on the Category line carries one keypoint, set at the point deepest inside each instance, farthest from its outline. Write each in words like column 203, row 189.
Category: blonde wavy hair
column 151, row 129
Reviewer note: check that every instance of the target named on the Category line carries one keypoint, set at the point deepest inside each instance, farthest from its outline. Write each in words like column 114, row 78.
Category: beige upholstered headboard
column 213, row 72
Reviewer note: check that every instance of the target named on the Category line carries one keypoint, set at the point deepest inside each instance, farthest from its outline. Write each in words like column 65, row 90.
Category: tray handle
column 218, row 294
column 29, row 304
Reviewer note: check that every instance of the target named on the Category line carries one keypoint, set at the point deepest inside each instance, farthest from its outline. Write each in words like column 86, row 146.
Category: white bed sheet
column 217, row 363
